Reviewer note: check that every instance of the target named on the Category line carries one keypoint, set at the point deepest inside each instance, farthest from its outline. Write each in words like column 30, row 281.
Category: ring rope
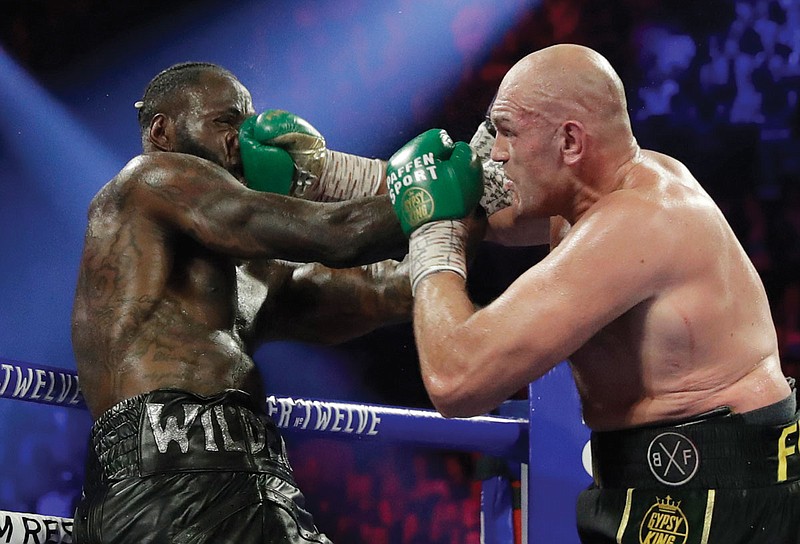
column 493, row 435
column 40, row 383
column 498, row 436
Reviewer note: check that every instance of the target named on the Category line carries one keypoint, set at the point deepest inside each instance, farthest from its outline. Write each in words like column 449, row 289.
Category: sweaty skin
column 179, row 277
column 646, row 291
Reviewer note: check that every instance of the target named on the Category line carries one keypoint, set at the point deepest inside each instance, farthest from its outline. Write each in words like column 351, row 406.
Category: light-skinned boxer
column 646, row 292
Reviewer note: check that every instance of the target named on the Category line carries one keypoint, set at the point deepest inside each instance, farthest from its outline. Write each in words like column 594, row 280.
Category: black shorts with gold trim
column 715, row 478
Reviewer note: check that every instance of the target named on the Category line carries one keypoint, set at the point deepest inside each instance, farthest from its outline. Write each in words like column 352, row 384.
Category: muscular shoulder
column 658, row 214
column 156, row 181
column 160, row 169
column 660, row 185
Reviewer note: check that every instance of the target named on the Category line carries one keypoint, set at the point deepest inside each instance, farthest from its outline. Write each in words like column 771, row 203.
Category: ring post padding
column 556, row 473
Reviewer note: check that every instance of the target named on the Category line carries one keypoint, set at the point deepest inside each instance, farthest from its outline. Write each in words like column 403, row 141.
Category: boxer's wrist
column 347, row 176
column 437, row 247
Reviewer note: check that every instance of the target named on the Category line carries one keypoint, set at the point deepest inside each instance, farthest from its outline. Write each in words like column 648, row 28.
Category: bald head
column 566, row 82
column 563, row 130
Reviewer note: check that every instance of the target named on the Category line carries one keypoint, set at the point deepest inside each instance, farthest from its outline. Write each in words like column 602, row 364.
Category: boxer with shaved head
column 649, row 296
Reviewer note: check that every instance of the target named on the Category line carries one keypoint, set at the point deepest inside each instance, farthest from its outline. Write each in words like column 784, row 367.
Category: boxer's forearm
column 329, row 306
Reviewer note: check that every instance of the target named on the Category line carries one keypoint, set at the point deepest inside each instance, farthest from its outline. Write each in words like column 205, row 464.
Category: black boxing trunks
column 716, row 478
column 171, row 466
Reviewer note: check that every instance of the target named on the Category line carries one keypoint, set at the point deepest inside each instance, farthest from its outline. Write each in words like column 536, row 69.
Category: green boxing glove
column 282, row 153
column 432, row 183
column 271, row 168
column 432, row 178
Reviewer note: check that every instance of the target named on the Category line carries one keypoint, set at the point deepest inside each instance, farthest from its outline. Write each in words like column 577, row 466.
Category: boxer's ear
column 572, row 135
column 162, row 132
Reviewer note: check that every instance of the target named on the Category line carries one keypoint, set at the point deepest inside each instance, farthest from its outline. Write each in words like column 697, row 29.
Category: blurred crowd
column 390, row 494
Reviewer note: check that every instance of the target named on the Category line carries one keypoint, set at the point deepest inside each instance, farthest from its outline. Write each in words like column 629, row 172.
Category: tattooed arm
column 314, row 303
column 203, row 200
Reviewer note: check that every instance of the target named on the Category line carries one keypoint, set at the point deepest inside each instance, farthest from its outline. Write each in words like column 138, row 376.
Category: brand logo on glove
column 417, row 206
column 673, row 458
column 420, row 169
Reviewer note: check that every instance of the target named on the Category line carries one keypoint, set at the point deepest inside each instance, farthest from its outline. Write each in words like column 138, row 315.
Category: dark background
column 714, row 83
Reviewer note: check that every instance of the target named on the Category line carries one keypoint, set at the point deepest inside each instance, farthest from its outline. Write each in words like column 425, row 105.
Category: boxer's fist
column 495, row 197
column 281, row 153
column 431, row 178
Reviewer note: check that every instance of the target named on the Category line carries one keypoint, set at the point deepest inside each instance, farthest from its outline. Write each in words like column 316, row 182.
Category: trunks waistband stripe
column 176, row 431
column 717, row 452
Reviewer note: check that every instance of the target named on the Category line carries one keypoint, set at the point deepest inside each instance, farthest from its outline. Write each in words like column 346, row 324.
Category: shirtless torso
column 646, row 290
column 702, row 337
column 167, row 298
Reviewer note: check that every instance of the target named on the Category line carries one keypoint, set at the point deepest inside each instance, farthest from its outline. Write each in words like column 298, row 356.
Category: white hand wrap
column 482, row 142
column 495, row 197
column 346, row 176
column 435, row 247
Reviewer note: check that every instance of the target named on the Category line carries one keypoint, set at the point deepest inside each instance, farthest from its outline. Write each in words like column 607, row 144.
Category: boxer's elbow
column 452, row 397
column 507, row 228
column 451, row 406
column 338, row 253
column 454, row 410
